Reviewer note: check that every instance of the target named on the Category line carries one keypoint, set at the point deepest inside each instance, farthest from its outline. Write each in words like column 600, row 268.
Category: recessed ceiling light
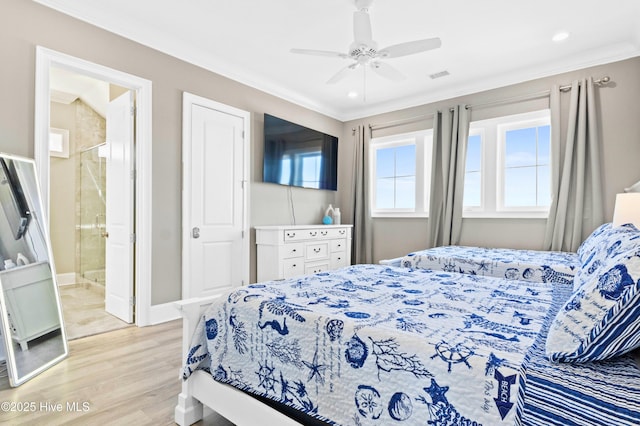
column 562, row 35
column 352, row 94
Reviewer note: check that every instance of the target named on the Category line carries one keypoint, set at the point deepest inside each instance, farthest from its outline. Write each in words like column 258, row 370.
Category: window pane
column 405, row 193
column 544, row 186
column 472, row 190
column 406, row 160
column 385, row 193
column 385, row 162
column 520, row 147
column 474, row 153
column 520, row 187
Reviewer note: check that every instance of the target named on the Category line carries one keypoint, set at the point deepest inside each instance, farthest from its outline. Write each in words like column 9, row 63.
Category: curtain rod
column 394, row 123
column 527, row 97
column 531, row 96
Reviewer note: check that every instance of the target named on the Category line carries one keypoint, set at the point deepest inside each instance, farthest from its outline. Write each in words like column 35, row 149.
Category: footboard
column 201, row 390
column 189, row 409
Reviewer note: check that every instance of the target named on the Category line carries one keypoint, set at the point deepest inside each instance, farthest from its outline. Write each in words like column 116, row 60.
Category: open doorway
column 135, row 269
column 80, row 106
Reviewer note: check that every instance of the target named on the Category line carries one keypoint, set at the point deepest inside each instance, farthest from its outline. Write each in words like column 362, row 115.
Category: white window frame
column 493, row 153
column 423, row 141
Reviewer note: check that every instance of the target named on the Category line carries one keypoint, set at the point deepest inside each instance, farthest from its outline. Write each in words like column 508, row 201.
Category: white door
column 119, row 213
column 215, row 161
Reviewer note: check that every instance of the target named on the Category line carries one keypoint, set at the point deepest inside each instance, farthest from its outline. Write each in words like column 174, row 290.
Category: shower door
column 92, row 205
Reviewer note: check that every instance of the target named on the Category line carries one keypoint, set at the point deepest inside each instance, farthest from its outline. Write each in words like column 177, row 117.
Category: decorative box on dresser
column 290, row 251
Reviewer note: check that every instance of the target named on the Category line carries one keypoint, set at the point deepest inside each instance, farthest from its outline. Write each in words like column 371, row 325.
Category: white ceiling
column 485, row 44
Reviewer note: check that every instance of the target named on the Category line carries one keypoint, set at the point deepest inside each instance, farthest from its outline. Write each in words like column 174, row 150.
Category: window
column 400, row 173
column 58, row 142
column 508, row 171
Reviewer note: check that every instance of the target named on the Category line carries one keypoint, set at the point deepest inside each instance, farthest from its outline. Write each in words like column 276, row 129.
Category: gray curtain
column 450, row 134
column 576, row 207
column 362, row 236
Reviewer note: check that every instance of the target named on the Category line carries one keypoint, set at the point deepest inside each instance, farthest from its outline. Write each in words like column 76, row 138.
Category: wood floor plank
column 128, row 376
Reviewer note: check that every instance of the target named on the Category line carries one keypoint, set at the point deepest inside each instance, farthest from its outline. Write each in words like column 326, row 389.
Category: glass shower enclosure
column 92, row 215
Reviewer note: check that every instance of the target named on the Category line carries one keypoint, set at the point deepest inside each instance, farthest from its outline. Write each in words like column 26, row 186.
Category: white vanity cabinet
column 32, row 307
column 290, row 251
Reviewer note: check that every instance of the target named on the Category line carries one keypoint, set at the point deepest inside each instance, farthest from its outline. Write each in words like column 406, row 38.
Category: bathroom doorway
column 79, row 107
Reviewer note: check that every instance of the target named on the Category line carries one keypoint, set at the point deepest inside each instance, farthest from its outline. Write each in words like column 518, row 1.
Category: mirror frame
column 15, row 379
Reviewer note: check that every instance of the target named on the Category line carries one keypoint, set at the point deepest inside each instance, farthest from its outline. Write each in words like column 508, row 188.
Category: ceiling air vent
column 439, row 74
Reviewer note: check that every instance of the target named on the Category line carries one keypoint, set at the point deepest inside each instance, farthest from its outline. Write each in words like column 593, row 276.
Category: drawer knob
column 316, row 250
column 323, row 233
column 291, row 234
column 313, row 233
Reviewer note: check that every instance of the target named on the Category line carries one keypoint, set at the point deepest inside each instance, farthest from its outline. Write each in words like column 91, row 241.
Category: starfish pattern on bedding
column 315, row 370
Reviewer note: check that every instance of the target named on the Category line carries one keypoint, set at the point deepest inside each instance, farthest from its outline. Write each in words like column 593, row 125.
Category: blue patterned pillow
column 593, row 241
column 601, row 318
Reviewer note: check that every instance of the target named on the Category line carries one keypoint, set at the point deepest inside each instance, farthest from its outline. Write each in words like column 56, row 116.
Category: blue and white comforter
column 523, row 265
column 371, row 344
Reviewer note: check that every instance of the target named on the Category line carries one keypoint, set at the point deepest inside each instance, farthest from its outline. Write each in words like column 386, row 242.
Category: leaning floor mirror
column 31, row 321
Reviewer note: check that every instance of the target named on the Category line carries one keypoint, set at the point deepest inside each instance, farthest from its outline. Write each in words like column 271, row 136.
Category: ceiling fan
column 364, row 50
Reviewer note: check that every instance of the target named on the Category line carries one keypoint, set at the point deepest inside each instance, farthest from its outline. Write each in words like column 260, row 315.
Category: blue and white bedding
column 512, row 264
column 374, row 345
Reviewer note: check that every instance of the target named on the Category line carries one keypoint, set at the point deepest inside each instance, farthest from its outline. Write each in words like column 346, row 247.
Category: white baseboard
column 161, row 313
column 66, row 279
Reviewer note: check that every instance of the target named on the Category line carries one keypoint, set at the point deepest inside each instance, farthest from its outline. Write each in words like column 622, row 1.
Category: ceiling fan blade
column 409, row 48
column 387, row 71
column 320, row 53
column 362, row 28
column 342, row 73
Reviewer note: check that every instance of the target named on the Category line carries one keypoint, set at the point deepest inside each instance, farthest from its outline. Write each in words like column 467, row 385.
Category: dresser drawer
column 314, row 268
column 338, row 260
column 338, row 245
column 339, row 233
column 293, row 250
column 292, row 267
column 301, row 234
column 317, row 251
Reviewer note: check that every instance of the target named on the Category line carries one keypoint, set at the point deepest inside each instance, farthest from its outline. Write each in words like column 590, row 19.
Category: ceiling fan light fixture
column 363, row 51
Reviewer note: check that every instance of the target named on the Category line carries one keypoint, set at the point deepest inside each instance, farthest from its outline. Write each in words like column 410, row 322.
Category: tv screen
column 298, row 156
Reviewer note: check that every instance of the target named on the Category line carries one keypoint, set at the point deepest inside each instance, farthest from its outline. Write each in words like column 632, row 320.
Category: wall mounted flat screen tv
column 295, row 155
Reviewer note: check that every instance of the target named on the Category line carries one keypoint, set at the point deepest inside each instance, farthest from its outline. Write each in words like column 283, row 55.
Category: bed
column 512, row 264
column 377, row 344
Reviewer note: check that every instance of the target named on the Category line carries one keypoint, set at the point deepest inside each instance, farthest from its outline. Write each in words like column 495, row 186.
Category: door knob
column 195, row 232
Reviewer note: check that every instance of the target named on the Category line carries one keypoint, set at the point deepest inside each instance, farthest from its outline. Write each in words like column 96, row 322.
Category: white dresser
column 290, row 251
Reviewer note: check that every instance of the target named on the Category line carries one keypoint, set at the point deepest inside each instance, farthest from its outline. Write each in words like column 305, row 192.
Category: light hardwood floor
column 124, row 377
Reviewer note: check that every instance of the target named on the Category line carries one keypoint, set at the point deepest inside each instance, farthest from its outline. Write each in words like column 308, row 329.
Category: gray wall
column 27, row 24
column 619, row 133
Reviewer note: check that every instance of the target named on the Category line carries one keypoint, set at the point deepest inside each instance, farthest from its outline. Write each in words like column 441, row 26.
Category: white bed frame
column 201, row 390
